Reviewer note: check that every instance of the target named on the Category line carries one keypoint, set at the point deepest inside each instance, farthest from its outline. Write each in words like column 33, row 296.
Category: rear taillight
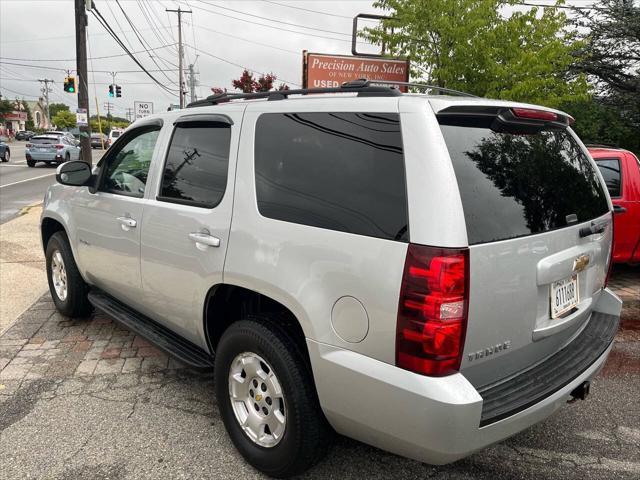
column 59, row 146
column 432, row 311
column 28, row 145
column 534, row 114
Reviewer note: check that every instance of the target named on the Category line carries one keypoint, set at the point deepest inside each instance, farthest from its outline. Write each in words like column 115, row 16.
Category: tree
column 5, row 107
column 610, row 52
column 247, row 83
column 469, row 45
column 610, row 57
column 64, row 119
column 55, row 108
column 28, row 125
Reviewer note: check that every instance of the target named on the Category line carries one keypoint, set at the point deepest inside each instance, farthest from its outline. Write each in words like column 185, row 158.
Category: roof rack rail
column 362, row 86
column 423, row 86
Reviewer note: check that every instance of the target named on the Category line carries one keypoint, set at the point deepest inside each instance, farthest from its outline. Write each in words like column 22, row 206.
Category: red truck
column 621, row 171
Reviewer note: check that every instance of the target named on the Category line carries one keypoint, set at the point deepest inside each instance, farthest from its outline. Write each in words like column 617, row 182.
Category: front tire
column 67, row 157
column 7, row 156
column 267, row 398
column 68, row 289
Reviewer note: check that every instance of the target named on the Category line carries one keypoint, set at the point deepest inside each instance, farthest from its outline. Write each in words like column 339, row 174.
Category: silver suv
column 426, row 274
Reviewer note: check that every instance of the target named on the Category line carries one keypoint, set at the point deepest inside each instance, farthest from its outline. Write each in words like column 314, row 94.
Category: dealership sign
column 328, row 71
column 142, row 109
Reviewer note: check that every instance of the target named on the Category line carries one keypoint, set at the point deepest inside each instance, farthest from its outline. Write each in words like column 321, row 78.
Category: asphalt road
column 20, row 185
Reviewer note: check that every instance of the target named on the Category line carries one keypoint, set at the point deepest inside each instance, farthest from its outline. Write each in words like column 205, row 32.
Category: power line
column 309, row 10
column 276, row 20
column 241, row 66
column 96, row 13
column 58, row 69
column 275, row 27
column 142, row 42
column 90, row 58
column 247, row 40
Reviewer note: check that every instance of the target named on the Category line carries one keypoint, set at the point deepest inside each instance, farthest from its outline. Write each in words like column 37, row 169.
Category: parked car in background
column 24, row 135
column 52, row 149
column 99, row 140
column 621, row 171
column 411, row 270
column 5, row 151
column 113, row 136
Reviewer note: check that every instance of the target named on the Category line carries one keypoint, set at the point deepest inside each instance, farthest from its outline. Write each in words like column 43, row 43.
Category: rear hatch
column 539, row 231
column 45, row 144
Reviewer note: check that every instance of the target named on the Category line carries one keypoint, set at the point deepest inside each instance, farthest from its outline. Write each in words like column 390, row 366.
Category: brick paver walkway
column 46, row 344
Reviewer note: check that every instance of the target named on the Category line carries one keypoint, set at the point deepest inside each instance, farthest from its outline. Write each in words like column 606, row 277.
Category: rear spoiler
column 510, row 116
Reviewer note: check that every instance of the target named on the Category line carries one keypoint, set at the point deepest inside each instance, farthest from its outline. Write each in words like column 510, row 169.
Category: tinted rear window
column 515, row 184
column 338, row 171
column 610, row 169
column 45, row 140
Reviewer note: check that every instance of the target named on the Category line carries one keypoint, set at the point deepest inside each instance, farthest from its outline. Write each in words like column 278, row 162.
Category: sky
column 37, row 40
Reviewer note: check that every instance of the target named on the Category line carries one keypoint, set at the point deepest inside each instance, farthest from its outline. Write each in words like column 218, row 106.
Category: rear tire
column 67, row 157
column 305, row 437
column 7, row 156
column 68, row 289
column 31, row 163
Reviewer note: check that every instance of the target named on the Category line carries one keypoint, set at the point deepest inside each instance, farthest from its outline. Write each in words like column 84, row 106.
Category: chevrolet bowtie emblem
column 580, row 263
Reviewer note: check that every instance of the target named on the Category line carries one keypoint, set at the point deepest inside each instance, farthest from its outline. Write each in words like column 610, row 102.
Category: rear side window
column 338, row 171
column 195, row 172
column 610, row 169
column 515, row 184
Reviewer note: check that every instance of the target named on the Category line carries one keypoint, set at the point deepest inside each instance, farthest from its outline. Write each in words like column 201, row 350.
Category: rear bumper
column 433, row 420
column 44, row 157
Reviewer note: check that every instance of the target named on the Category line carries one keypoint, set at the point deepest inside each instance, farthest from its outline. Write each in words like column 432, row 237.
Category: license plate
column 564, row 296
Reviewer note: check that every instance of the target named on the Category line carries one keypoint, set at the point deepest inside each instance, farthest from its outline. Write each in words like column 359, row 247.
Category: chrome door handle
column 127, row 222
column 205, row 239
column 619, row 209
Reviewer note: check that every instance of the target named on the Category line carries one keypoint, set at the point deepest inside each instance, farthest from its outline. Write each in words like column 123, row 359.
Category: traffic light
column 118, row 91
column 70, row 84
column 111, row 90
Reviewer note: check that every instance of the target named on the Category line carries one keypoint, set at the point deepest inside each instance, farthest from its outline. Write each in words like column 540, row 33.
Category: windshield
column 515, row 184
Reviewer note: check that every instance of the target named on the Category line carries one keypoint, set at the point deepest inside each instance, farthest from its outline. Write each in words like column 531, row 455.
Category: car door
column 186, row 228
column 615, row 176
column 108, row 221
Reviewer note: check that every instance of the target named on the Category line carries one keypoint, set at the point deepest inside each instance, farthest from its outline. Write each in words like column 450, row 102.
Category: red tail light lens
column 534, row 114
column 59, row 146
column 28, row 145
column 432, row 311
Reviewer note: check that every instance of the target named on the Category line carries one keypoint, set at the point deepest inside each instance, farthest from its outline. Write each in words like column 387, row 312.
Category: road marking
column 24, row 165
column 28, row 180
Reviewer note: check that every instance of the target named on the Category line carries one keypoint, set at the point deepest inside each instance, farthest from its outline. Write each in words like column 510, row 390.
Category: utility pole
column 179, row 11
column 107, row 106
column 192, row 83
column 83, row 83
column 129, row 114
column 45, row 91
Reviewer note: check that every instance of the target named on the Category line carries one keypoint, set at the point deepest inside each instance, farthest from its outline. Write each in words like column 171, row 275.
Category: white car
column 113, row 136
column 426, row 274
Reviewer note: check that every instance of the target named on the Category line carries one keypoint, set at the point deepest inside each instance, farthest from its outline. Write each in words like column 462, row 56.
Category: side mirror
column 75, row 173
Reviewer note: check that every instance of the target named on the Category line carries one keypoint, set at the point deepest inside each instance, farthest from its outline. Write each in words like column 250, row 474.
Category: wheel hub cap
column 257, row 399
column 59, row 275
